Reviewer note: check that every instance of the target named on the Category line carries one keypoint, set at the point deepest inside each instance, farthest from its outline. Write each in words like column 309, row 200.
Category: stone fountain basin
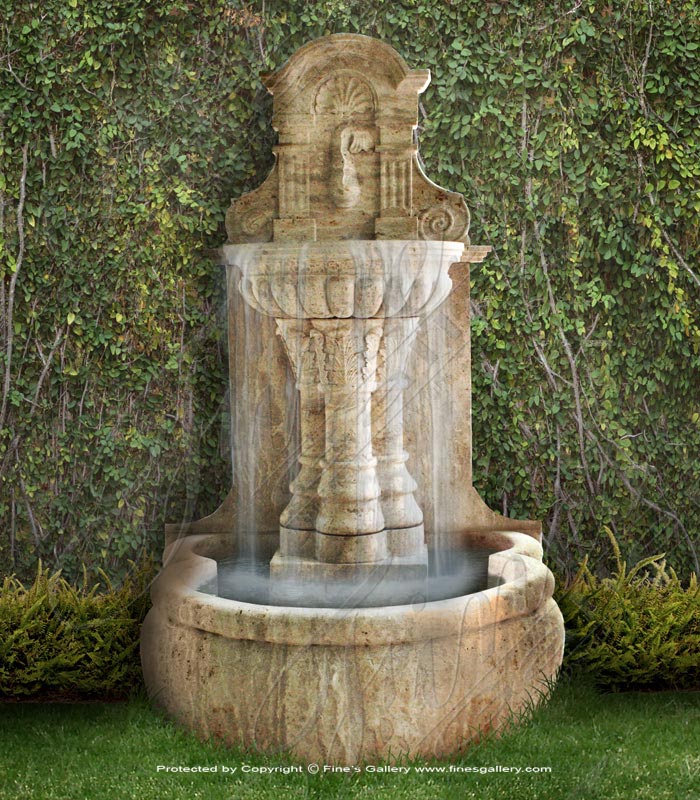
column 352, row 685
column 343, row 279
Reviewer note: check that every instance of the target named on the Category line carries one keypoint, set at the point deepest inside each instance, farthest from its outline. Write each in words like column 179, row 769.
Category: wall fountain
column 353, row 598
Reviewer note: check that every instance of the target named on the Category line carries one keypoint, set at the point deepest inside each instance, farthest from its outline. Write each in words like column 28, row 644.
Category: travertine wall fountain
column 353, row 599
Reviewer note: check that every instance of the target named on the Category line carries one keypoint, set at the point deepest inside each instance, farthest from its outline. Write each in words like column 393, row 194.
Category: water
column 247, row 580
column 265, row 446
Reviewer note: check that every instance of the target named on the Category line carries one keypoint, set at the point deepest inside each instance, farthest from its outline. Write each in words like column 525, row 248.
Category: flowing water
column 265, row 450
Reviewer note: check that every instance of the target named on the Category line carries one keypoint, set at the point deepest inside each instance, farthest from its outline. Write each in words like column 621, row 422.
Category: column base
column 396, row 580
column 367, row 548
column 405, row 541
column 297, row 543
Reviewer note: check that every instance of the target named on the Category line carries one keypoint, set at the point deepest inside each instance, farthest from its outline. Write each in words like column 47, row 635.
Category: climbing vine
column 126, row 128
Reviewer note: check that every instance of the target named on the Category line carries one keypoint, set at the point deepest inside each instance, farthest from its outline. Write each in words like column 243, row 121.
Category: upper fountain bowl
column 343, row 279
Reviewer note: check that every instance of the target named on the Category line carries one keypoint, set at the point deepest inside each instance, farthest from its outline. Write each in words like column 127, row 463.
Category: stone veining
column 366, row 632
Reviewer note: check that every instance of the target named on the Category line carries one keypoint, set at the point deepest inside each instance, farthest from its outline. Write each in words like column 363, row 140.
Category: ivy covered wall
column 125, row 130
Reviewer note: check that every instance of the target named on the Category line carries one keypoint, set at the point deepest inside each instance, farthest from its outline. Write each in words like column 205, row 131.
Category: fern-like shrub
column 639, row 629
column 62, row 641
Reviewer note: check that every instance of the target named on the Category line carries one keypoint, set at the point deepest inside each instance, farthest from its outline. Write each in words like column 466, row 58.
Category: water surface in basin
column 460, row 572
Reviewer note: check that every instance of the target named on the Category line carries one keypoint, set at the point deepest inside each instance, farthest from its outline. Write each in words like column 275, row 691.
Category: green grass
column 614, row 747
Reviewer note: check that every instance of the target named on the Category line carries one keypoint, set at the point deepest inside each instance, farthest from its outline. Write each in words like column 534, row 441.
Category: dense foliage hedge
column 638, row 629
column 125, row 129
column 63, row 641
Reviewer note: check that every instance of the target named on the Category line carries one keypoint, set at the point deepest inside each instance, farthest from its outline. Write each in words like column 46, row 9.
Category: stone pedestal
column 348, row 489
column 402, row 516
column 352, row 516
column 300, row 513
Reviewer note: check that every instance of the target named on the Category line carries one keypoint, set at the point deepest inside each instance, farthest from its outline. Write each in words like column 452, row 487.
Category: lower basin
column 347, row 685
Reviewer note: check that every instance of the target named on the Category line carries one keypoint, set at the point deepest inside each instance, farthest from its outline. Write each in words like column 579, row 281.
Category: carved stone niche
column 345, row 108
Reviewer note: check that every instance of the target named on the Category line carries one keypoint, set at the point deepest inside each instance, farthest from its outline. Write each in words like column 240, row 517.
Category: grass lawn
column 613, row 747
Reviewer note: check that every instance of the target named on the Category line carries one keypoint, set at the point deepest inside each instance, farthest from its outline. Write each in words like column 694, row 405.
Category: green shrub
column 639, row 628
column 57, row 640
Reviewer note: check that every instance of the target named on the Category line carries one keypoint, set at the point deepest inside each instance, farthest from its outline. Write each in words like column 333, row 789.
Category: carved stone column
column 396, row 193
column 293, row 222
column 299, row 517
column 402, row 516
column 350, row 524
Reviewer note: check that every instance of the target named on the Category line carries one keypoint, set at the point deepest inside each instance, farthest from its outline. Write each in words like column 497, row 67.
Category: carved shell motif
column 345, row 96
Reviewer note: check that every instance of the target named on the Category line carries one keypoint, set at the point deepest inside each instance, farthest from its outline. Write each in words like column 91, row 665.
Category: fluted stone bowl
column 343, row 279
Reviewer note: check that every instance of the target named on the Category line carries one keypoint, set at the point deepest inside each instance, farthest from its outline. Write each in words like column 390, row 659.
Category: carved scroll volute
column 446, row 220
column 249, row 219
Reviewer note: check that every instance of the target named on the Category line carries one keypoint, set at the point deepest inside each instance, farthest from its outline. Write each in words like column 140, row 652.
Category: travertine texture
column 350, row 381
column 351, row 685
column 345, row 109
column 348, row 314
column 348, row 238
